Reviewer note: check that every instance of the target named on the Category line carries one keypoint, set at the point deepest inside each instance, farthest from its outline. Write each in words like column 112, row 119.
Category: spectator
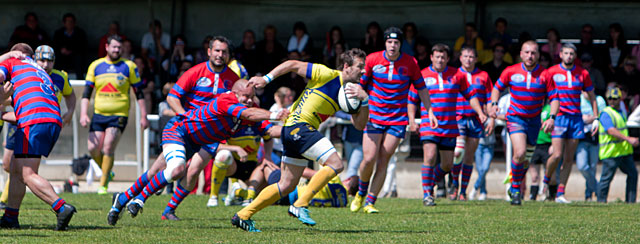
column 201, row 54
column 635, row 52
column 270, row 51
column 127, row 50
column 470, row 39
column 422, row 52
column 247, row 54
column 500, row 34
column 155, row 43
column 586, row 45
column 616, row 50
column 114, row 29
column 300, row 41
column 545, row 60
column 628, row 76
column 587, row 151
column 292, row 80
column 283, row 99
column 352, row 141
column 29, row 33
column 617, row 148
column 596, row 75
column 483, row 157
column 147, row 80
column 178, row 54
column 410, row 31
column 497, row 65
column 70, row 44
column 336, row 62
column 334, row 37
column 515, row 49
column 373, row 40
column 553, row 45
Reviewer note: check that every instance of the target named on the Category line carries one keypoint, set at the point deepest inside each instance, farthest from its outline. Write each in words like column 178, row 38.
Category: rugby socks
column 269, row 195
column 438, row 173
column 319, row 180
column 560, row 191
column 58, row 205
column 517, row 174
column 5, row 192
column 455, row 174
column 533, row 192
column 427, row 180
column 135, row 189
column 156, row 183
column 251, row 193
column 363, row 187
column 218, row 173
column 546, row 180
column 11, row 214
column 466, row 176
column 371, row 199
column 107, row 166
column 178, row 195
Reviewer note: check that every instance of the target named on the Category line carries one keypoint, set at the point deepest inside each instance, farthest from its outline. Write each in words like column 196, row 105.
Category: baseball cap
column 45, row 52
column 613, row 93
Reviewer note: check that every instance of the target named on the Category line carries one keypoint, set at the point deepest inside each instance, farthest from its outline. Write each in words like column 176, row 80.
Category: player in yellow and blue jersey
column 111, row 76
column 300, row 137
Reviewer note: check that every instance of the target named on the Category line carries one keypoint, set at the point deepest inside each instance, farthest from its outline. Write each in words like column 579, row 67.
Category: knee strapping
column 224, row 158
column 529, row 154
column 458, row 152
column 175, row 156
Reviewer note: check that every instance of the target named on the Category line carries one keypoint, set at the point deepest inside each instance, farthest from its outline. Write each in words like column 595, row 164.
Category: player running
column 444, row 84
column 37, row 114
column 528, row 93
column 300, row 137
column 111, row 76
column 570, row 80
column 388, row 75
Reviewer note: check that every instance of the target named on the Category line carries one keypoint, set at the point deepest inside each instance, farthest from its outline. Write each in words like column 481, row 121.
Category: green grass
column 400, row 221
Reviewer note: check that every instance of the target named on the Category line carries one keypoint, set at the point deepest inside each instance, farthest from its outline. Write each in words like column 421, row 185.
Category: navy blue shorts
column 36, row 140
column 470, row 127
column 175, row 133
column 297, row 139
column 394, row 130
column 101, row 122
column 568, row 127
column 10, row 141
column 444, row 143
column 529, row 126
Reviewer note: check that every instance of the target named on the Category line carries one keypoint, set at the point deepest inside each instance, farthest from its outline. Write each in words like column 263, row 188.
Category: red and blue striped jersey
column 248, row 137
column 34, row 97
column 528, row 90
column 387, row 83
column 480, row 84
column 200, row 84
column 214, row 122
column 569, row 85
column 443, row 90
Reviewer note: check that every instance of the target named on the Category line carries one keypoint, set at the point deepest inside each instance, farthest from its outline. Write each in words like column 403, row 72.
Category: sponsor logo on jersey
column 559, row 78
column 379, row 68
column 517, row 77
column 431, row 81
column 203, row 82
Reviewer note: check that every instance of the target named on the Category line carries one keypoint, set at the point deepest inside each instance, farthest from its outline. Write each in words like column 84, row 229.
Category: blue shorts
column 394, row 130
column 175, row 133
column 36, row 140
column 101, row 122
column 10, row 141
column 568, row 127
column 444, row 143
column 470, row 127
column 529, row 126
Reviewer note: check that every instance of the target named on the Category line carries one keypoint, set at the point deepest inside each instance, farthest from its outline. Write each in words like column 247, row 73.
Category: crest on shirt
column 46, row 88
column 379, row 68
column 517, row 77
column 111, row 69
column 203, row 82
column 402, row 70
column 431, row 81
column 559, row 78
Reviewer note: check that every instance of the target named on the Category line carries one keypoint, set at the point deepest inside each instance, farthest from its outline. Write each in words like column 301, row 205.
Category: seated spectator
column 247, row 52
column 178, row 54
column 545, row 60
column 70, row 44
column 628, row 76
column 635, row 52
column 336, row 62
column 201, row 55
column 127, row 50
column 114, row 29
column 497, row 65
column 410, row 31
column 29, row 33
column 373, row 40
column 586, row 45
column 300, row 41
column 500, row 34
column 596, row 75
column 616, row 49
column 469, row 39
column 334, row 37
column 422, row 52
column 155, row 43
column 270, row 51
column 553, row 46
column 147, row 80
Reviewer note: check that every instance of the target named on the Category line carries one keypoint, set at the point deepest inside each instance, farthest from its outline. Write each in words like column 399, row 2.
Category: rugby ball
column 348, row 105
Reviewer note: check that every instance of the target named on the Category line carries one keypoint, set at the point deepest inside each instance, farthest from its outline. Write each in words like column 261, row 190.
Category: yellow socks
column 319, row 180
column 107, row 166
column 268, row 196
column 218, row 172
column 251, row 193
column 5, row 192
column 246, row 194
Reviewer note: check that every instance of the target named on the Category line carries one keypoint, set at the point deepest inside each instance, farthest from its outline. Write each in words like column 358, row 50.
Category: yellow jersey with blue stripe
column 239, row 69
column 333, row 194
column 248, row 137
column 112, row 81
column 319, row 100
column 61, row 83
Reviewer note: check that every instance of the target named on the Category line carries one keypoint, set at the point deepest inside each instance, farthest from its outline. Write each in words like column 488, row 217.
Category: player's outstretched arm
column 298, row 67
column 258, row 114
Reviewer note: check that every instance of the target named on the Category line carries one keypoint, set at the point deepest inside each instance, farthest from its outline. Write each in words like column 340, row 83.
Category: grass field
column 400, row 221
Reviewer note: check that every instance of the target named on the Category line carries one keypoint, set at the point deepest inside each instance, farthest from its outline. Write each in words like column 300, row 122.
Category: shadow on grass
column 344, row 231
column 17, row 234
column 71, row 227
column 427, row 212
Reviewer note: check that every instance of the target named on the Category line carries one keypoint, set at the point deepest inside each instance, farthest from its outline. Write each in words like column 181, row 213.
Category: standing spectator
column 300, row 41
column 616, row 150
column 29, row 33
column 628, row 76
column 147, row 82
column 114, row 29
column 616, row 50
column 70, row 44
column 336, row 62
column 372, row 41
column 422, row 52
column 270, row 51
column 178, row 54
column 201, row 54
column 497, row 65
column 247, row 53
column 483, row 157
column 352, row 141
column 127, row 50
column 155, row 43
column 635, row 52
column 587, row 151
column 284, row 97
column 586, row 45
column 334, row 37
column 545, row 60
column 500, row 34
column 469, row 39
column 410, row 31
column 596, row 75
column 553, row 46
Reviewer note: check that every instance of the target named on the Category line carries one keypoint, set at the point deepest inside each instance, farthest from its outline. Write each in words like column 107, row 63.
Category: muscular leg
column 7, row 158
column 389, row 145
column 458, row 156
column 111, row 138
column 94, row 144
column 188, row 183
column 554, row 159
column 371, row 144
column 467, row 163
column 519, row 142
column 428, row 164
column 567, row 162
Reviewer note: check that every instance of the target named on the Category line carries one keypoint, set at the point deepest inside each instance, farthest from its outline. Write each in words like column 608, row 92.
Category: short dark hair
column 472, row 25
column 220, row 39
column 467, row 48
column 501, row 20
column 68, row 15
column 299, row 26
column 350, row 56
column 410, row 24
column 24, row 48
column 155, row 22
column 499, row 44
column 30, row 14
column 439, row 47
column 114, row 38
